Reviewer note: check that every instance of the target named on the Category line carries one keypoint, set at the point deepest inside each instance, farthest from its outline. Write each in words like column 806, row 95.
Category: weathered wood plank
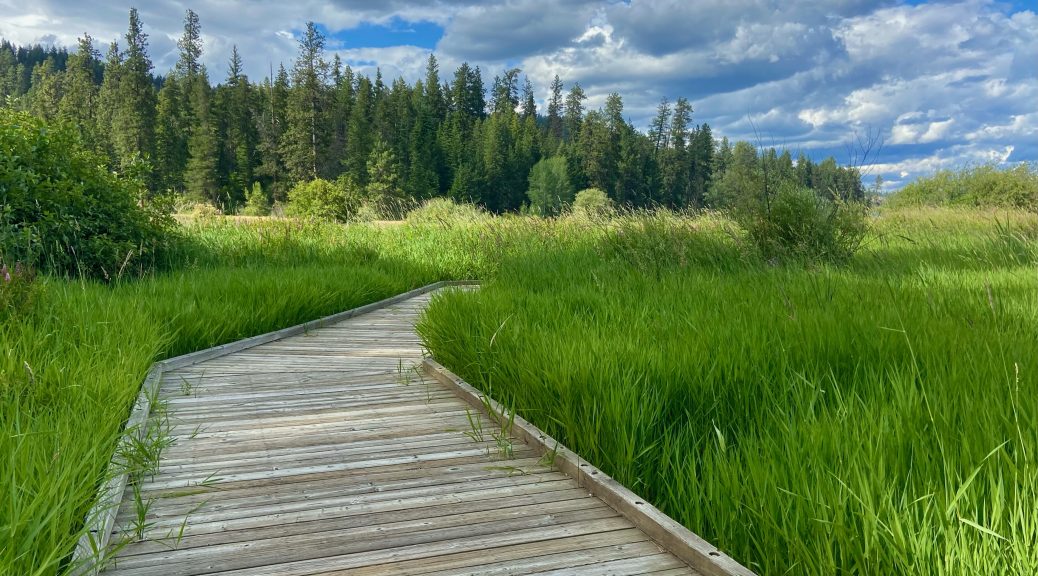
column 446, row 478
column 375, row 515
column 347, row 507
column 322, row 450
column 512, row 559
column 404, row 549
column 315, row 545
column 583, row 554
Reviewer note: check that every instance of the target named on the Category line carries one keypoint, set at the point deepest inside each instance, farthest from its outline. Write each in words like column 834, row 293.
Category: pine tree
column 574, row 113
column 528, row 101
column 271, row 133
column 359, row 135
column 133, row 122
column 555, row 108
column 506, row 92
column 423, row 174
column 190, row 45
column 45, row 92
column 307, row 134
column 8, row 71
column 80, row 100
column 200, row 175
column 660, row 127
column 634, row 169
column 550, row 189
column 467, row 93
column 434, row 101
column 676, row 163
column 804, row 170
column 108, row 99
column 171, row 131
column 341, row 103
column 200, row 170
column 597, row 156
column 702, row 161
column 383, row 180
column 240, row 137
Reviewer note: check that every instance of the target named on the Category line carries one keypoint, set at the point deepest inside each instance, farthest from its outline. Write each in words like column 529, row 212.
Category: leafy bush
column 256, row 201
column 337, row 201
column 983, row 186
column 798, row 224
column 445, row 211
column 63, row 212
column 550, row 188
column 18, row 289
column 368, row 212
column 593, row 203
column 203, row 211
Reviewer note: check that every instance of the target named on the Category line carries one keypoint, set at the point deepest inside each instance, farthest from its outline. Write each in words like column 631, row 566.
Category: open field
column 876, row 418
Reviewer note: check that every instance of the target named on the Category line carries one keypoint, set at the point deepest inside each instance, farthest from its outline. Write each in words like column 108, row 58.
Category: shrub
column 368, row 212
column 203, row 211
column 63, row 212
column 445, row 211
column 550, row 188
column 799, row 224
column 593, row 203
column 17, row 290
column 336, row 201
column 256, row 201
column 982, row 186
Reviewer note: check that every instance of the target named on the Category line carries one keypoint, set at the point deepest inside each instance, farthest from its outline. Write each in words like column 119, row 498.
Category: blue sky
column 944, row 84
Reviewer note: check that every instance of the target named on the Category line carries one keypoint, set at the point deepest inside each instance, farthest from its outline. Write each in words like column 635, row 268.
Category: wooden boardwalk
column 328, row 453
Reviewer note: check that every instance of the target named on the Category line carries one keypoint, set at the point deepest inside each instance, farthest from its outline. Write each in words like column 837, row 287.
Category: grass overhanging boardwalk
column 329, row 452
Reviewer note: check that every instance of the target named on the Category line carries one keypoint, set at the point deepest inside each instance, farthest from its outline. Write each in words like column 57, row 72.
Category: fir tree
column 434, row 101
column 555, row 108
column 200, row 176
column 200, row 170
column 239, row 132
column 171, row 130
column 271, row 128
column 46, row 90
column 529, row 103
column 108, row 99
column 79, row 103
column 574, row 112
column 190, row 45
column 359, row 136
column 306, row 135
column 660, row 127
column 383, row 180
column 133, row 122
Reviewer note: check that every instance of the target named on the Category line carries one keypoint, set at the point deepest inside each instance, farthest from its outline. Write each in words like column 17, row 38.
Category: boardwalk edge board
column 92, row 547
column 671, row 535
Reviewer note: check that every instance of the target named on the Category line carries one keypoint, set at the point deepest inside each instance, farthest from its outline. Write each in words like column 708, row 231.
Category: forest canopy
column 240, row 144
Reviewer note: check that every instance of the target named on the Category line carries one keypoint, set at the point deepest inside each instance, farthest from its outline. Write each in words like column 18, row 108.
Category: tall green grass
column 806, row 419
column 988, row 185
column 874, row 419
column 71, row 367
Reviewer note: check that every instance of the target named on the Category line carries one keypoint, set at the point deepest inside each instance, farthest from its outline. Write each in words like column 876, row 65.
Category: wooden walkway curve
column 327, row 452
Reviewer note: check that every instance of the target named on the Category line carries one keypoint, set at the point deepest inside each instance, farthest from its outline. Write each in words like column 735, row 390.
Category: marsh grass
column 877, row 418
column 71, row 367
column 873, row 418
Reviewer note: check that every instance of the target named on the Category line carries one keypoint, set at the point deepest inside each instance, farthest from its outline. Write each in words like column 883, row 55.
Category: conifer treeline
column 320, row 119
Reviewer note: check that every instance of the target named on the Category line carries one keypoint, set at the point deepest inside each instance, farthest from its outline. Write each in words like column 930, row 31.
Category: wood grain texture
column 326, row 449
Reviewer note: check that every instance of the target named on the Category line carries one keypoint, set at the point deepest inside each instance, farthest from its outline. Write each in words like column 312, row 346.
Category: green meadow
column 877, row 417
